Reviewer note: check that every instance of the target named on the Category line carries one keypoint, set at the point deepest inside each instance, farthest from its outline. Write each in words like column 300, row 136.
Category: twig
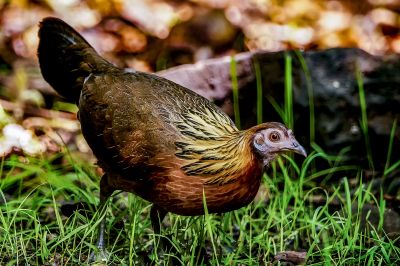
column 37, row 111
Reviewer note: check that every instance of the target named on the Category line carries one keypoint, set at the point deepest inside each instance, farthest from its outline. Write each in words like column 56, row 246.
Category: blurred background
column 155, row 34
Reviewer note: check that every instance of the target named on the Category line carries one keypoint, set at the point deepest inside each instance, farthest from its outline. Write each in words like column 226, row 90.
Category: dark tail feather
column 66, row 58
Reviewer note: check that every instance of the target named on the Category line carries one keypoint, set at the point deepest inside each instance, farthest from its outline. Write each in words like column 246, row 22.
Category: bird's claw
column 99, row 257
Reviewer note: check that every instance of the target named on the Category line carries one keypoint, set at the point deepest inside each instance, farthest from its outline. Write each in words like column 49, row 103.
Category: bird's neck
column 222, row 160
column 268, row 159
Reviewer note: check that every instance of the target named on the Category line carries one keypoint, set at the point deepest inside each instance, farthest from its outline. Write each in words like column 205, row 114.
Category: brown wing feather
column 155, row 120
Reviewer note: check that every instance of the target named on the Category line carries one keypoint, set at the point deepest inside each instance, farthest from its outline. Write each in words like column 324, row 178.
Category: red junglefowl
column 155, row 138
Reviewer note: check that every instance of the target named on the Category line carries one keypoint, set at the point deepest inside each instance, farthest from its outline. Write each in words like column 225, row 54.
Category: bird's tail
column 66, row 58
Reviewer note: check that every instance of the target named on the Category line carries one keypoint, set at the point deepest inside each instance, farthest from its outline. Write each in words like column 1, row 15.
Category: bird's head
column 271, row 139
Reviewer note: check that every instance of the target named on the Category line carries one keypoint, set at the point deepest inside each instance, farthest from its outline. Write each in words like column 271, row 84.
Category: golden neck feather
column 213, row 148
column 221, row 160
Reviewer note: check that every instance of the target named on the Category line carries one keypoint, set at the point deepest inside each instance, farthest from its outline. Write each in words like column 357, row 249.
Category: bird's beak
column 297, row 148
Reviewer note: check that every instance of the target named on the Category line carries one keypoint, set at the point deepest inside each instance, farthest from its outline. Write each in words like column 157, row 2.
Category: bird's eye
column 274, row 136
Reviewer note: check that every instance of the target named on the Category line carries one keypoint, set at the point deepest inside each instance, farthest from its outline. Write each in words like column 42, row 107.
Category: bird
column 155, row 138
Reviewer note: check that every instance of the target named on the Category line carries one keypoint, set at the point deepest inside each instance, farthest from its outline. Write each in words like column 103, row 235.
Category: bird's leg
column 100, row 239
column 105, row 191
column 157, row 215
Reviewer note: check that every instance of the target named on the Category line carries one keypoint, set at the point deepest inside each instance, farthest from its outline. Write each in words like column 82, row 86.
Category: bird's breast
column 183, row 194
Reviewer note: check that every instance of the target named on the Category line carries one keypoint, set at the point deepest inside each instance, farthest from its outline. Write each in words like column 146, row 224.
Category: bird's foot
column 99, row 256
column 166, row 252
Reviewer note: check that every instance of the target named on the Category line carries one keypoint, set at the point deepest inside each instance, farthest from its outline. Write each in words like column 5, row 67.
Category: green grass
column 364, row 119
column 33, row 229
column 235, row 92
column 390, row 148
column 259, row 88
column 298, row 209
column 310, row 92
column 288, row 98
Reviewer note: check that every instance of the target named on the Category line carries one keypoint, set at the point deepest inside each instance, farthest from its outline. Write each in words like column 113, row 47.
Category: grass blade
column 259, row 92
column 235, row 92
column 364, row 117
column 288, row 105
column 310, row 92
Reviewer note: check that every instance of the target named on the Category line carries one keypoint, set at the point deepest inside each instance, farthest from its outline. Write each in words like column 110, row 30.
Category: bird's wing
column 133, row 117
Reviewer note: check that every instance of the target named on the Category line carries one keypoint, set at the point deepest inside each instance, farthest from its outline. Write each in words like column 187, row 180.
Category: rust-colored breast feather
column 224, row 189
